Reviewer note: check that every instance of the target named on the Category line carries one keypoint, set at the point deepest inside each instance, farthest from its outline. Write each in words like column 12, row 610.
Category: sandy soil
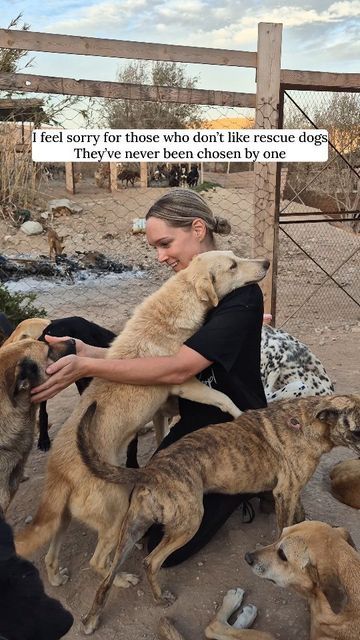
column 199, row 583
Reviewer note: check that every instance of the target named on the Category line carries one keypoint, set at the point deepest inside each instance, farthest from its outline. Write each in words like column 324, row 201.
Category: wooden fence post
column 113, row 176
column 69, row 177
column 143, row 174
column 267, row 117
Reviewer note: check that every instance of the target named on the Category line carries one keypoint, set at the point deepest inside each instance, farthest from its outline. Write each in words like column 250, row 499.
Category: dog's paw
column 90, row 624
column 232, row 600
column 166, row 599
column 59, row 578
column 125, row 580
column 246, row 618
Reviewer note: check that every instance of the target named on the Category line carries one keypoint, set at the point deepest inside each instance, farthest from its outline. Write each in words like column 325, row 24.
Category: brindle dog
column 276, row 449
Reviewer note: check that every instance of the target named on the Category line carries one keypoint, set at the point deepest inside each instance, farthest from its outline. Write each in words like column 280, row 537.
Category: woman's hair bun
column 221, row 226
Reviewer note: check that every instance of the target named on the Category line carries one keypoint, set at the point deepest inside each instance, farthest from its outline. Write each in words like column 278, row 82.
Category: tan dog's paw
column 90, row 623
column 233, row 599
column 126, row 580
column 246, row 618
column 59, row 578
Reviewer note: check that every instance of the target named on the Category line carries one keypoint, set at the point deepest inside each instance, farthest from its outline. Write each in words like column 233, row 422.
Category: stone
column 31, row 228
column 64, row 205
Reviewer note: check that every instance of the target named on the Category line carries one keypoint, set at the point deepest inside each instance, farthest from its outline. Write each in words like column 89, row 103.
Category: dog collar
column 294, row 423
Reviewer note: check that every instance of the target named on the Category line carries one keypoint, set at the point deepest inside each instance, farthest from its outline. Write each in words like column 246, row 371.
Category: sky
column 317, row 35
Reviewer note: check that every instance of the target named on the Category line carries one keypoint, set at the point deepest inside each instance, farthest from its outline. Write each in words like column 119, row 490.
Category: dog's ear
column 330, row 585
column 326, row 412
column 346, row 535
column 205, row 290
column 21, row 378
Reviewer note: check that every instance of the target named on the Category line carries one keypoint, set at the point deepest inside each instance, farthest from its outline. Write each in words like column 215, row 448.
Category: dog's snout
column 250, row 558
column 266, row 264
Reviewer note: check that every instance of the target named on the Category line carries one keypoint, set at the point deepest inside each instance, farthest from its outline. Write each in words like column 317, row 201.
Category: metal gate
column 319, row 215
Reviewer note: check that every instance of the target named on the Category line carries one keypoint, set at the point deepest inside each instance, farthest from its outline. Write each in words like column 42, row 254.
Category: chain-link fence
column 102, row 251
column 319, row 216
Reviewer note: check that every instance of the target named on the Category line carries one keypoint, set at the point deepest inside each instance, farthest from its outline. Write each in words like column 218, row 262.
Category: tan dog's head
column 217, row 273
column 341, row 414
column 23, row 365
column 29, row 328
column 304, row 559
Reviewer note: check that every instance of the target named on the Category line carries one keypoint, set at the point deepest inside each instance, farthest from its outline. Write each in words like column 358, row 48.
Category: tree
column 10, row 59
column 138, row 114
column 339, row 182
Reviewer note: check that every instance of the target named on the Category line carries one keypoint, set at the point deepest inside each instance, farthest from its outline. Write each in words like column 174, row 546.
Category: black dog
column 26, row 612
column 76, row 327
column 192, row 177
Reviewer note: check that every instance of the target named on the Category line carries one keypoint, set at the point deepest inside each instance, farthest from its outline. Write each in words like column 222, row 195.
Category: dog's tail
column 48, row 518
column 86, row 436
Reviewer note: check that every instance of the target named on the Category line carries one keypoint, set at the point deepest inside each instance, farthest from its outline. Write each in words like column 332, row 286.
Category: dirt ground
column 201, row 582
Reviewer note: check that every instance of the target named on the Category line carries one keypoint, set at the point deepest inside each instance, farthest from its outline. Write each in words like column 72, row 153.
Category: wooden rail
column 84, row 46
column 99, row 88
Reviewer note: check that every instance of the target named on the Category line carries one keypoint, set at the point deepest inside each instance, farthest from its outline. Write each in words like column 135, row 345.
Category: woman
column 224, row 353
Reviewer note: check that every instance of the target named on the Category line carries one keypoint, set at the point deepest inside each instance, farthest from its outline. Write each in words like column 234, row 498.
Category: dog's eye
column 281, row 555
column 233, row 265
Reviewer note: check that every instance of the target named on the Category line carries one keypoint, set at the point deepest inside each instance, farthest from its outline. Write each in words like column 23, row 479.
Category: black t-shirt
column 231, row 339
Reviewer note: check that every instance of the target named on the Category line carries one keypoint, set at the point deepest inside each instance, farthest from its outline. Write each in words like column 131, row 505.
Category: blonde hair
column 180, row 207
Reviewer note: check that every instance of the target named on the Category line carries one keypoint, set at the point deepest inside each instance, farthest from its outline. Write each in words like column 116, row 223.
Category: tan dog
column 319, row 562
column 56, row 246
column 29, row 328
column 22, row 366
column 159, row 326
column 345, row 482
column 276, row 449
column 316, row 560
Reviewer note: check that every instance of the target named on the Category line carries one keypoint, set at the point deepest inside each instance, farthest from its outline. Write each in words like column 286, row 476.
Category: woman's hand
column 63, row 372
column 82, row 349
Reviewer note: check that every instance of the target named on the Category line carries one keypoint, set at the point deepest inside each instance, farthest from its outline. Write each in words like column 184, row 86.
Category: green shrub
column 207, row 186
column 19, row 306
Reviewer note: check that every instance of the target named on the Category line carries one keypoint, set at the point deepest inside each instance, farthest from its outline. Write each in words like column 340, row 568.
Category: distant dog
column 192, row 177
column 56, row 246
column 275, row 449
column 22, row 366
column 128, row 176
column 183, row 178
column 159, row 326
column 345, row 482
column 26, row 612
column 289, row 369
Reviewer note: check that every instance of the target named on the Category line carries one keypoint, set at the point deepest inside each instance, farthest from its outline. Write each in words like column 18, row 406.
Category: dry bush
column 19, row 175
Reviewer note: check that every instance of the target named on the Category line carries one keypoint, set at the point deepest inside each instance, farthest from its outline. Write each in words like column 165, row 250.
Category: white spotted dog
column 289, row 369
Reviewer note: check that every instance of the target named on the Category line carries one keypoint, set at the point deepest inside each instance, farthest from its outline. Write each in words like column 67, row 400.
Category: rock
column 64, row 206
column 45, row 214
column 28, row 519
column 31, row 228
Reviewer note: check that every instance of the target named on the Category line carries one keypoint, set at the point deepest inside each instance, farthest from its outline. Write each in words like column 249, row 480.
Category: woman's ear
column 199, row 227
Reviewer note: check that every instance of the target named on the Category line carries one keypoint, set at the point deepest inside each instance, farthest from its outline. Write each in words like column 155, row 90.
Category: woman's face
column 176, row 246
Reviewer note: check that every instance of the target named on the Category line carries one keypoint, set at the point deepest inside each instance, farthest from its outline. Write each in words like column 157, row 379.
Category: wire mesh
column 319, row 216
column 96, row 228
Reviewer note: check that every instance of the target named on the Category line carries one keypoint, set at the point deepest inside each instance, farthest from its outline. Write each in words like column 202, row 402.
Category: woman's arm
column 144, row 371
